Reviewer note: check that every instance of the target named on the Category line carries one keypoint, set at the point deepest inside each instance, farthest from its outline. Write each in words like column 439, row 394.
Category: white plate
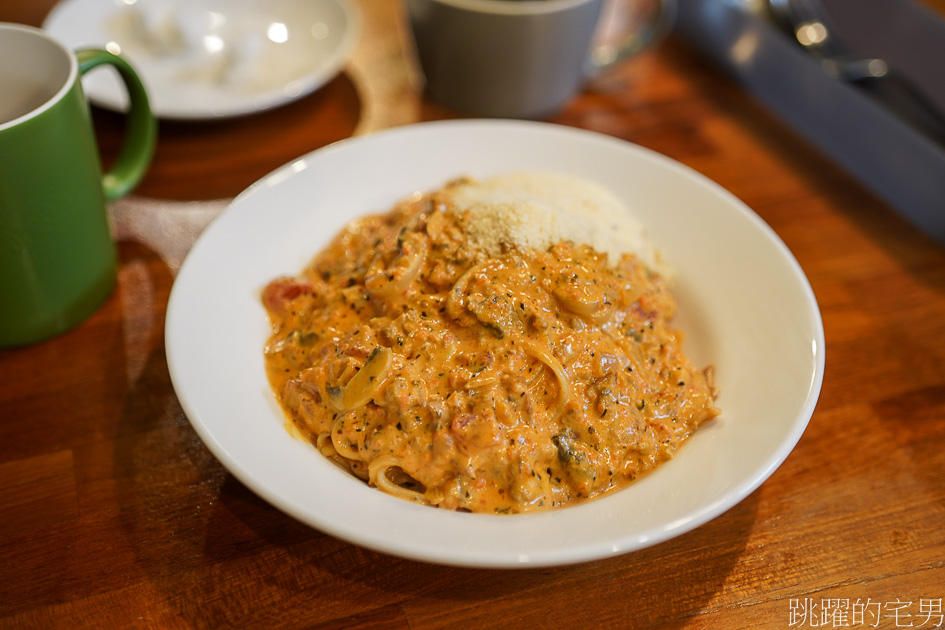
column 746, row 307
column 204, row 59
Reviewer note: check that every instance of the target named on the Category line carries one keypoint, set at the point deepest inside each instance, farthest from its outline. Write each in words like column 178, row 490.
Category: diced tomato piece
column 281, row 291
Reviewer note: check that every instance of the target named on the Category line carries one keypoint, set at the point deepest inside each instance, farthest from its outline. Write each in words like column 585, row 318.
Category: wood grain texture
column 113, row 513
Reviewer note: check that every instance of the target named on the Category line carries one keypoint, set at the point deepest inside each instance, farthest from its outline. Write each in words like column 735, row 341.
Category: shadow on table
column 627, row 590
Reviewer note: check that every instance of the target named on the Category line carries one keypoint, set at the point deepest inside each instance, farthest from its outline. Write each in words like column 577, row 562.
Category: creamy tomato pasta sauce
column 454, row 374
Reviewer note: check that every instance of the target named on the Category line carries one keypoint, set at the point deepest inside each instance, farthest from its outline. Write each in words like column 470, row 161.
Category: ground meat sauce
column 465, row 379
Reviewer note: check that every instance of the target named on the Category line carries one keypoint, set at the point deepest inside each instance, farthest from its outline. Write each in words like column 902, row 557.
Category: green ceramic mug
column 58, row 261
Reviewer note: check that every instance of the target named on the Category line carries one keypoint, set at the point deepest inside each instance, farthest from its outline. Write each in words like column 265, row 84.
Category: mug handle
column 141, row 131
column 605, row 56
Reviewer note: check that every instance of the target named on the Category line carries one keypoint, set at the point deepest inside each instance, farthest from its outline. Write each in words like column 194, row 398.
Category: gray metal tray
column 886, row 152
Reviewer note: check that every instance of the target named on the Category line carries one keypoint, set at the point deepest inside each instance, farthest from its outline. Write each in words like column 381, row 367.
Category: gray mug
column 524, row 58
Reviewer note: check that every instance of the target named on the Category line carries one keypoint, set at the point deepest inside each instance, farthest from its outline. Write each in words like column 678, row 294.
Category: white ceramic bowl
column 746, row 307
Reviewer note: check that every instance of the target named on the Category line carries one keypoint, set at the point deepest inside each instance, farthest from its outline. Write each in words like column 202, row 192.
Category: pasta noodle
column 506, row 377
column 542, row 354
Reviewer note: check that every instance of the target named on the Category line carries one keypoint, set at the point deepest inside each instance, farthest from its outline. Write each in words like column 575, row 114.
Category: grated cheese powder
column 537, row 209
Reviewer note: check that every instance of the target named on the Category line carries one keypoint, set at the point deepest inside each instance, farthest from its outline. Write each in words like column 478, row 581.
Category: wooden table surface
column 114, row 514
